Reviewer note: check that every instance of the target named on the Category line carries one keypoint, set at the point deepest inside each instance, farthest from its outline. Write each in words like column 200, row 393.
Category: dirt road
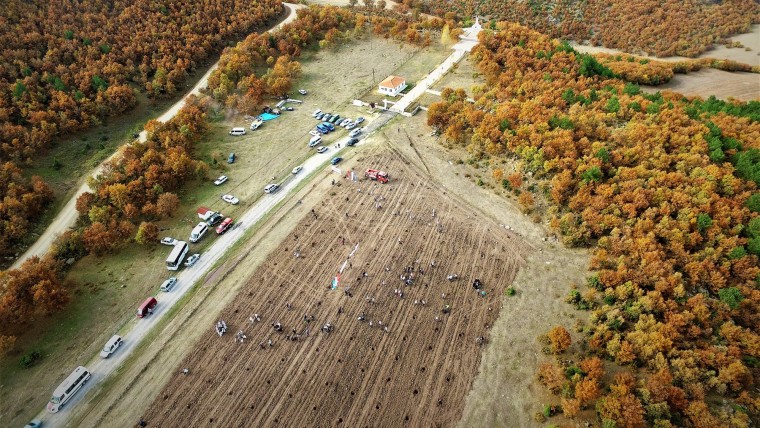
column 67, row 217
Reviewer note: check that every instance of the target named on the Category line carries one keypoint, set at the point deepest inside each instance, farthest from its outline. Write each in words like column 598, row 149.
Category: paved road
column 67, row 217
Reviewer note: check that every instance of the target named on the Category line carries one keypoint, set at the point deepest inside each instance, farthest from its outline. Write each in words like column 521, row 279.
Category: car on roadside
column 169, row 241
column 359, row 120
column 230, row 199
column 355, row 133
column 351, row 126
column 169, row 284
column 314, row 133
column 231, row 158
column 326, row 117
column 296, row 170
column 352, row 142
column 336, row 160
column 219, row 181
column 224, row 226
column 271, row 188
column 302, row 91
column 113, row 343
column 192, row 260
column 322, row 149
column 214, row 219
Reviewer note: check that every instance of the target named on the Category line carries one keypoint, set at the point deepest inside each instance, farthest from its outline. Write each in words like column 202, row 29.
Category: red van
column 147, row 307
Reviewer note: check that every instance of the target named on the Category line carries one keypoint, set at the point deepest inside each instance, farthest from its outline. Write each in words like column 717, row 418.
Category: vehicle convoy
column 68, row 388
column 374, row 174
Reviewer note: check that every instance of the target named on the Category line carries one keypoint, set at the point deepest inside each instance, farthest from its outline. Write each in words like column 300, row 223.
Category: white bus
column 67, row 388
column 174, row 261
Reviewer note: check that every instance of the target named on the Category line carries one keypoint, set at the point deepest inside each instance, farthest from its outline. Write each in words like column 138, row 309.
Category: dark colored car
column 352, row 142
column 334, row 119
column 231, row 158
column 336, row 161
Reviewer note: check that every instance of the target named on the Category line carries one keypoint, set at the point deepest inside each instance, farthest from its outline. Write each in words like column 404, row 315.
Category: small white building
column 392, row 85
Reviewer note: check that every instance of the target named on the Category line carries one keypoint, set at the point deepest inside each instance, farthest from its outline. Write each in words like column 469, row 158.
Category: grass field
column 109, row 288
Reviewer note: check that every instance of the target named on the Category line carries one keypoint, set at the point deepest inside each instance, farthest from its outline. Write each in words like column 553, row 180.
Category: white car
column 344, row 122
column 302, row 91
column 314, row 133
column 271, row 188
column 230, row 199
column 297, row 169
column 192, row 259
column 354, row 133
column 113, row 343
column 359, row 120
column 322, row 149
column 351, row 125
column 220, row 180
column 169, row 241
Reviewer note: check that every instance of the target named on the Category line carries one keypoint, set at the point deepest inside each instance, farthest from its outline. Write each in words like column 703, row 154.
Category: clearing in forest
column 405, row 362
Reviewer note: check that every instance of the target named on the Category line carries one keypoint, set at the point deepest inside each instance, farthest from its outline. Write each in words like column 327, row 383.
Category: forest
column 654, row 27
column 66, row 66
column 664, row 190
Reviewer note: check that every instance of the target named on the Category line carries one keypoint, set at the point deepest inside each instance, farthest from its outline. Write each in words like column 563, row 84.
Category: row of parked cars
column 330, row 121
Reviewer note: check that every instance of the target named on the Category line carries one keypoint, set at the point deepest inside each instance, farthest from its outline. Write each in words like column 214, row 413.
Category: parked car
column 288, row 108
column 336, row 161
column 169, row 284
column 359, row 120
column 314, row 132
column 214, row 219
column 323, row 129
column 302, row 91
column 237, row 131
column 351, row 126
column 169, row 241
column 319, row 116
column 347, row 124
column 219, row 181
column 326, row 116
column 297, row 169
column 192, row 259
column 271, row 188
column 322, row 149
column 355, row 133
column 113, row 343
column 231, row 158
column 329, row 126
column 335, row 119
column 316, row 112
column 230, row 199
column 344, row 122
column 224, row 226
column 352, row 142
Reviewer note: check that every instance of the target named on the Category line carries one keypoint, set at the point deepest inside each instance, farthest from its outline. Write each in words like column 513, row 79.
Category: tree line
column 664, row 190
column 654, row 27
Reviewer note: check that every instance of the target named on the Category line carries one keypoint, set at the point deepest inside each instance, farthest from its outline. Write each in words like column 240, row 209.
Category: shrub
column 30, row 359
column 559, row 339
column 511, row 291
column 731, row 296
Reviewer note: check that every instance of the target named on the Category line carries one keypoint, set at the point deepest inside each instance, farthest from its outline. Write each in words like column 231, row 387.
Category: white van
column 314, row 141
column 198, row 231
column 237, row 131
column 114, row 342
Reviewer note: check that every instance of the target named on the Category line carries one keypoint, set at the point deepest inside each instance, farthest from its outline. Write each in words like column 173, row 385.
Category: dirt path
column 67, row 217
column 417, row 372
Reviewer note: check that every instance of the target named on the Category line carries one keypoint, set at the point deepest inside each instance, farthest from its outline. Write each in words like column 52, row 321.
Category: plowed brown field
column 416, row 374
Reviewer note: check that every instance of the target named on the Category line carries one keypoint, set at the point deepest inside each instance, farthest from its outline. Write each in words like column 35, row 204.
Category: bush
column 30, row 359
column 731, row 296
column 511, row 291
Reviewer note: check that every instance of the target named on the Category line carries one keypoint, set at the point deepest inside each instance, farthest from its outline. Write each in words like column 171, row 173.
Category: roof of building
column 203, row 210
column 392, row 81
